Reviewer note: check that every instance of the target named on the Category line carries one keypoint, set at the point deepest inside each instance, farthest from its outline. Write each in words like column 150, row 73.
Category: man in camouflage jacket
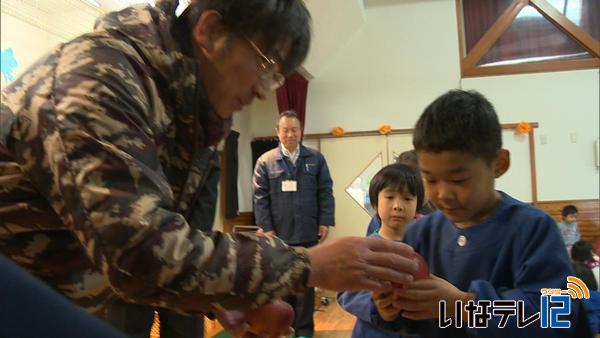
column 106, row 145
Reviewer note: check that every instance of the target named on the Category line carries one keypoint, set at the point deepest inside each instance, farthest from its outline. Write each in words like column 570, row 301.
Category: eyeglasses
column 272, row 78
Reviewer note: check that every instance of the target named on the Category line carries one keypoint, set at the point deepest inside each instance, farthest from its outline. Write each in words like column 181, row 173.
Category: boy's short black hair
column 397, row 176
column 569, row 210
column 581, row 251
column 275, row 21
column 459, row 120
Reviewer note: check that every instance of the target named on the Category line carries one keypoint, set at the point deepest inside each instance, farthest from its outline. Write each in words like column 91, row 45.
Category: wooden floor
column 330, row 320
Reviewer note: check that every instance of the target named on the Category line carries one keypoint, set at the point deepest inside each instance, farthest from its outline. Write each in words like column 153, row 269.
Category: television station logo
column 555, row 309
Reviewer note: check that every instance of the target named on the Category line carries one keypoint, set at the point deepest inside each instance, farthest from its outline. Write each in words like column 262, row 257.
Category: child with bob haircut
column 568, row 226
column 396, row 193
column 481, row 244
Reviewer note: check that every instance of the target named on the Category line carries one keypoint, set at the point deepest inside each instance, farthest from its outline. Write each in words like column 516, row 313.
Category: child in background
column 568, row 227
column 581, row 254
column 481, row 245
column 409, row 158
column 396, row 193
column 584, row 264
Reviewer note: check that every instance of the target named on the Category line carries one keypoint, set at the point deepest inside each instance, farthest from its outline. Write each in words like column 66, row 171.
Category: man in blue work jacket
column 293, row 200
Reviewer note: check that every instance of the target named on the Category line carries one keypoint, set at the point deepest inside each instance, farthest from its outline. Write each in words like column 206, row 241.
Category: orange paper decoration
column 337, row 131
column 385, row 129
column 524, row 127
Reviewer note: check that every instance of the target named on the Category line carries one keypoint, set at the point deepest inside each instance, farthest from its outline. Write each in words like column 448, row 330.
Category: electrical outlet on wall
column 543, row 139
column 573, row 137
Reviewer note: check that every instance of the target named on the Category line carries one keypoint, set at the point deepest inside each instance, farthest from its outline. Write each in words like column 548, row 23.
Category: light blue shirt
column 569, row 232
column 292, row 156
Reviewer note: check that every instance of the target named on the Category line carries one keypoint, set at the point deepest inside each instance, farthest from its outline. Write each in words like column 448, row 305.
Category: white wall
column 333, row 31
column 32, row 29
column 405, row 54
column 28, row 42
column 564, row 103
column 263, row 116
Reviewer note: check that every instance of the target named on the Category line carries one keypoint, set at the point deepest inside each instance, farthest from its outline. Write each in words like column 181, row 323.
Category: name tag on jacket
column 288, row 186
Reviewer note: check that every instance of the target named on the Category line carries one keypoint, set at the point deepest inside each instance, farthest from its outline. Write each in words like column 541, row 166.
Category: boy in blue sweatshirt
column 481, row 245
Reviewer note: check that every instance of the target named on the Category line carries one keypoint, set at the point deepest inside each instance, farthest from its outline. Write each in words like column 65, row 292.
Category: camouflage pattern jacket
column 105, row 149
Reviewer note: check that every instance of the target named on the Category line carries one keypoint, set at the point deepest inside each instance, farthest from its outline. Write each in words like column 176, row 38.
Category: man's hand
column 233, row 321
column 356, row 263
column 261, row 232
column 384, row 304
column 323, row 232
column 420, row 299
column 270, row 320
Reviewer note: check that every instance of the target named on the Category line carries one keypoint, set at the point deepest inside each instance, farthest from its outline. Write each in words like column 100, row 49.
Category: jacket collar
column 303, row 151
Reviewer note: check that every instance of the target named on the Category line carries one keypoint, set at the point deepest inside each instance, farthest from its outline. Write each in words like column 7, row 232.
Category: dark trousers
column 30, row 308
column 136, row 321
column 304, row 306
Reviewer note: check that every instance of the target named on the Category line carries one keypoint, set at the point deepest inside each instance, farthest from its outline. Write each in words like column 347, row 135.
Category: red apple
column 423, row 271
column 273, row 319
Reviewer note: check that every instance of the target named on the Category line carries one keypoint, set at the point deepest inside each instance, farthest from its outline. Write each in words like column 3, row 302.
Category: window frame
column 468, row 61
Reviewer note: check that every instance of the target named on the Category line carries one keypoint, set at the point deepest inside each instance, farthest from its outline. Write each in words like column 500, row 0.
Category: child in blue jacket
column 396, row 193
column 481, row 245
